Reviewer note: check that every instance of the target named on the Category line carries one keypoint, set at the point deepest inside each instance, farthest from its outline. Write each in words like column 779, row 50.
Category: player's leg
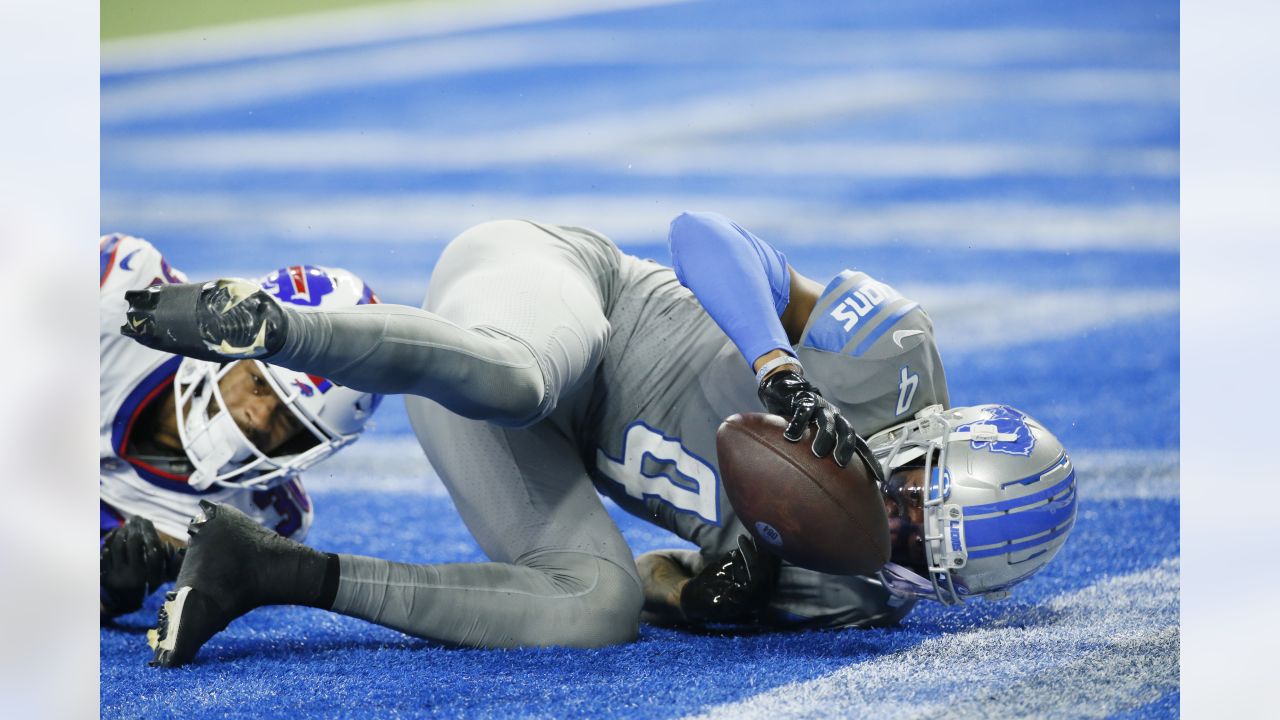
column 514, row 320
column 563, row 574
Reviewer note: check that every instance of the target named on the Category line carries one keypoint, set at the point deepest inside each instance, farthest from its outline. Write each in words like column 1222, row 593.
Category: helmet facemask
column 922, row 443
column 220, row 452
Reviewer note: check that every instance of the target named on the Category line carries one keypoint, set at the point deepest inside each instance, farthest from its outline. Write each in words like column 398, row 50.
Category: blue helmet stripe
column 1015, row 526
column 1062, row 460
column 1016, row 547
column 1032, row 499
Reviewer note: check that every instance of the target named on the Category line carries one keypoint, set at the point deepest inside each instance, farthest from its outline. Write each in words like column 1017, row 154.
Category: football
column 808, row 510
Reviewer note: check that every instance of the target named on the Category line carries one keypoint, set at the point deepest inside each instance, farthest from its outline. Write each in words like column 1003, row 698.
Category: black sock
column 329, row 588
column 308, row 577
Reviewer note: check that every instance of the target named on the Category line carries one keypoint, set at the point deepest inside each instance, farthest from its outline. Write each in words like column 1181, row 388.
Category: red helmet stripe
column 299, row 278
column 321, row 384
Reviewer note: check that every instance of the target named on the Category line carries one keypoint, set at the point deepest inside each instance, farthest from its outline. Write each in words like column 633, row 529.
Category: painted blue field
column 1013, row 166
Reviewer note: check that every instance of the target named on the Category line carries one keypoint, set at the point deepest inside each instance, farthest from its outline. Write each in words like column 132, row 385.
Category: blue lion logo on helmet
column 299, row 284
column 1006, row 421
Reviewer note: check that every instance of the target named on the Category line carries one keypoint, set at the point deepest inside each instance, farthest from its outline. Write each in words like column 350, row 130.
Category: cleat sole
column 164, row 637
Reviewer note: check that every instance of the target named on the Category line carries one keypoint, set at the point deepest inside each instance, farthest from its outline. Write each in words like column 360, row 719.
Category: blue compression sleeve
column 740, row 280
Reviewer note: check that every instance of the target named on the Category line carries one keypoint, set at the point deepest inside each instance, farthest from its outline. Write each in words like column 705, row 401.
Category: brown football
column 807, row 509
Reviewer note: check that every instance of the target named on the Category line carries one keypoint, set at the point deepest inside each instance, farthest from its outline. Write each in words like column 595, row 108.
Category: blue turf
column 337, row 662
column 1113, row 387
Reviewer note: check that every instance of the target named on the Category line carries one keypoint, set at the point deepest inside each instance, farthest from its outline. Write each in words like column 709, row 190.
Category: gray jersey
column 670, row 376
column 588, row 370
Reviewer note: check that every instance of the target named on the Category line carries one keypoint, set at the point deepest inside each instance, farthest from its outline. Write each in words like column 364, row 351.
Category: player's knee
column 521, row 409
column 602, row 600
column 612, row 612
column 523, row 399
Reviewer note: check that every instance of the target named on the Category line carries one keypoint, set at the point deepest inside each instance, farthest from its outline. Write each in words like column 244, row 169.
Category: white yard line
column 435, row 217
column 1109, row 647
column 817, row 96
column 425, row 152
column 901, row 160
column 979, row 318
column 1128, row 474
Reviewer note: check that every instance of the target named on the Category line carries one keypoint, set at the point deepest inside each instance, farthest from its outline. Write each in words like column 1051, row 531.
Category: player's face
column 256, row 408
column 904, row 504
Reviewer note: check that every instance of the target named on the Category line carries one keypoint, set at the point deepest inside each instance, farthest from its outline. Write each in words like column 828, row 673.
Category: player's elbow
column 691, row 236
column 688, row 228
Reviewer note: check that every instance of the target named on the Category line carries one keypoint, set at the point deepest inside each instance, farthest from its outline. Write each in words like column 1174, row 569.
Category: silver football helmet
column 330, row 416
column 999, row 499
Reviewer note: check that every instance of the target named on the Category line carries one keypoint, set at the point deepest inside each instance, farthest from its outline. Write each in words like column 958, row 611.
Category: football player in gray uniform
column 545, row 365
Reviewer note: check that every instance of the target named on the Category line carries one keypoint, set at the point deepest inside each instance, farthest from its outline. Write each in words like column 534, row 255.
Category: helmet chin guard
column 999, row 499
column 330, row 416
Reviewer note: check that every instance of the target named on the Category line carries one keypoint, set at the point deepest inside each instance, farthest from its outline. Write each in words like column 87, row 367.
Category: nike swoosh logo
column 899, row 335
column 124, row 264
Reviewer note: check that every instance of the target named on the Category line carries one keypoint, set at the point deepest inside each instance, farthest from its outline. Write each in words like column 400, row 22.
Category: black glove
column 788, row 394
column 732, row 589
column 134, row 561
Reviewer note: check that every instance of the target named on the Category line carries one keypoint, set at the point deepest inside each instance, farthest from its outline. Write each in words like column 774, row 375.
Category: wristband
column 775, row 364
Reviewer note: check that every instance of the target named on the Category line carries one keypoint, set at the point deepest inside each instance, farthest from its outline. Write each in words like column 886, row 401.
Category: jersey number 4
column 656, row 466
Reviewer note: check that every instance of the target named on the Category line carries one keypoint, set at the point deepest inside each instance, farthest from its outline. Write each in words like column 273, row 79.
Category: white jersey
column 132, row 377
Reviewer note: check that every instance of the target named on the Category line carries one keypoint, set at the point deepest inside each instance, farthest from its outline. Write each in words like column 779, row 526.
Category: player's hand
column 788, row 394
column 134, row 561
column 733, row 588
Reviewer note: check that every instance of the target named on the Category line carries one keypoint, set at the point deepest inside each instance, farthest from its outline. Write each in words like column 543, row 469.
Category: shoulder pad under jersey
column 129, row 263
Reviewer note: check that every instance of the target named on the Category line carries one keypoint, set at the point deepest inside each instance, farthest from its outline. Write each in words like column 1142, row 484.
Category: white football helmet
column 331, row 416
column 999, row 499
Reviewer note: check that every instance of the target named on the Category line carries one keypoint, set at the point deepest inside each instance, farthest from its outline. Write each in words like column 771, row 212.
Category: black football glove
column 788, row 394
column 733, row 589
column 133, row 562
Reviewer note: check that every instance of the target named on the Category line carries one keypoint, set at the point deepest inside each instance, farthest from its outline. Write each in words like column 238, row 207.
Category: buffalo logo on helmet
column 317, row 383
column 300, row 284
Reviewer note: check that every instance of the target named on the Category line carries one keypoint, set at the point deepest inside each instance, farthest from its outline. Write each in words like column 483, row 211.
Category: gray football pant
column 515, row 321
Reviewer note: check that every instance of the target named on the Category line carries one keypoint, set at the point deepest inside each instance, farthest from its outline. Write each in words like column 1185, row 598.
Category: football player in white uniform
column 165, row 443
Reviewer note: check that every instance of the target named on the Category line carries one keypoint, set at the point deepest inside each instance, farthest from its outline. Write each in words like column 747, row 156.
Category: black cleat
column 217, row 320
column 228, row 559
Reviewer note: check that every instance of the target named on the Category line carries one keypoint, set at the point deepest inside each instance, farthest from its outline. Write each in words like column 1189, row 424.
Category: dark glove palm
column 789, row 395
column 732, row 589
column 133, row 562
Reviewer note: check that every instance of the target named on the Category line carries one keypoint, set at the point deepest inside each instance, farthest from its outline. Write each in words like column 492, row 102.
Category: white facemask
column 213, row 444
